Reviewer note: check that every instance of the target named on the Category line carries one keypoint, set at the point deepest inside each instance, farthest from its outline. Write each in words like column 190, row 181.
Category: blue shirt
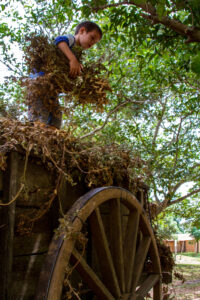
column 69, row 39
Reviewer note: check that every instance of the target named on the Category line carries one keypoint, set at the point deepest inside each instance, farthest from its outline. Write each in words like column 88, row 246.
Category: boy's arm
column 75, row 66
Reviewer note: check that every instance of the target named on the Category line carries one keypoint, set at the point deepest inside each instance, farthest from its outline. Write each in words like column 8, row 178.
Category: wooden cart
column 105, row 249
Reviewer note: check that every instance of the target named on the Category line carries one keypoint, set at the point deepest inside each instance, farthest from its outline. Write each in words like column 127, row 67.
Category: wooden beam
column 7, row 220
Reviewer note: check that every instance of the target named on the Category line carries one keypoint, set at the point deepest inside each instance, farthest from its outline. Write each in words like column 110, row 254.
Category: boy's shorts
column 37, row 111
column 40, row 113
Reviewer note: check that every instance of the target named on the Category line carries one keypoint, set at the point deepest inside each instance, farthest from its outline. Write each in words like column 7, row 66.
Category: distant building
column 184, row 243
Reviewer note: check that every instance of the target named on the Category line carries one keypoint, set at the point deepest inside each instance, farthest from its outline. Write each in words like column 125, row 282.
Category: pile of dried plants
column 66, row 157
column 96, row 165
column 42, row 55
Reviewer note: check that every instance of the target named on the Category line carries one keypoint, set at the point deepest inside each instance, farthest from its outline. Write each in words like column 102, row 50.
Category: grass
column 191, row 254
column 189, row 289
column 189, row 272
column 187, row 258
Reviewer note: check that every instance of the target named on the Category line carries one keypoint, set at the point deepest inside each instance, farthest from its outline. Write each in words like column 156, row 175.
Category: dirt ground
column 189, row 289
column 182, row 259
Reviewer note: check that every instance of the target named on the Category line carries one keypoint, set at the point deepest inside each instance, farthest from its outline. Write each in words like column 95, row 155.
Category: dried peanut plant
column 42, row 55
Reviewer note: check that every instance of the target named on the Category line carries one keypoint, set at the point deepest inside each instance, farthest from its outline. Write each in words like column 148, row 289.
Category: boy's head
column 87, row 34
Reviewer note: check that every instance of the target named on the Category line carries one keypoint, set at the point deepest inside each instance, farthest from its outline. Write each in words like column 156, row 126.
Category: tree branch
column 177, row 146
column 155, row 191
column 116, row 108
column 190, row 32
column 185, row 80
column 183, row 197
column 167, row 201
column 139, row 136
column 145, row 6
column 197, row 165
column 159, row 123
column 9, row 67
column 177, row 186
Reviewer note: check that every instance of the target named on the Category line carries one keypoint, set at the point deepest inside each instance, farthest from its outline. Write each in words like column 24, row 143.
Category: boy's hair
column 89, row 26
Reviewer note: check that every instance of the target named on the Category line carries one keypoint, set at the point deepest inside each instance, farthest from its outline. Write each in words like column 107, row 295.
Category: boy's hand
column 75, row 67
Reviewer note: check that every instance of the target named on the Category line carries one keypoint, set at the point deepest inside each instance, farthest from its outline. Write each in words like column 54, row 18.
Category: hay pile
column 68, row 159
column 59, row 151
column 42, row 55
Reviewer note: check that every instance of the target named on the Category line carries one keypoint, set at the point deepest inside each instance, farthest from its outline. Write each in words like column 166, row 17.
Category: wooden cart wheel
column 120, row 242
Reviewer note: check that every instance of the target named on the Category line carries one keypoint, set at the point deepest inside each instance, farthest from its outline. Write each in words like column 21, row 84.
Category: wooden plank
column 90, row 277
column 7, row 219
column 39, row 182
column 116, row 241
column 147, row 285
column 130, row 247
column 103, row 252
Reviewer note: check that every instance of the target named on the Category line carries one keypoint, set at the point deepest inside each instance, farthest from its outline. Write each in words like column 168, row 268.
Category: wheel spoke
column 130, row 247
column 157, row 290
column 90, row 277
column 147, row 285
column 103, row 253
column 116, row 241
column 140, row 260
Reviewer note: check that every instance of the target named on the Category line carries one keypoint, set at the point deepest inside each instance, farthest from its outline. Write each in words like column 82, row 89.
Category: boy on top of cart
column 86, row 35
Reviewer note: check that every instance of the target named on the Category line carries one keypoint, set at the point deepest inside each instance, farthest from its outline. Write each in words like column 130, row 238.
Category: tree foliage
column 196, row 233
column 166, row 226
column 151, row 51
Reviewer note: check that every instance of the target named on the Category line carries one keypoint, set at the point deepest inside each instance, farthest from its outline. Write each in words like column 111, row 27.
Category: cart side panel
column 23, row 253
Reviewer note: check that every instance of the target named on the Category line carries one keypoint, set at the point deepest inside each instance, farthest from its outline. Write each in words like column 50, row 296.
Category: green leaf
column 86, row 11
column 195, row 64
column 3, row 7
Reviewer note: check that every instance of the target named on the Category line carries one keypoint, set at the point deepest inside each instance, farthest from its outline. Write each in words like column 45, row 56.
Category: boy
column 86, row 35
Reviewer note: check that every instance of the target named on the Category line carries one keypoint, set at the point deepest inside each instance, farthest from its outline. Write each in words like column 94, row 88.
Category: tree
column 196, row 234
column 154, row 105
column 166, row 227
column 179, row 16
column 164, row 133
